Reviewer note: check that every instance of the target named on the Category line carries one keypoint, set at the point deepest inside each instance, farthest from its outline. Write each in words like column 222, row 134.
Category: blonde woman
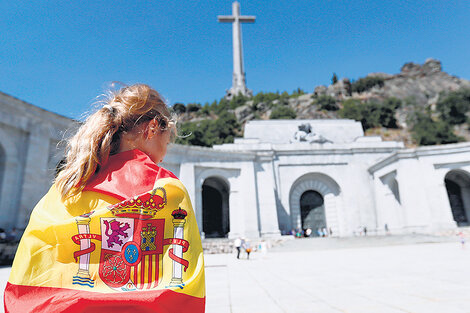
column 116, row 232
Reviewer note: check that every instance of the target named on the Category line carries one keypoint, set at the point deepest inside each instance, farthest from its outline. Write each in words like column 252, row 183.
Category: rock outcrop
column 421, row 84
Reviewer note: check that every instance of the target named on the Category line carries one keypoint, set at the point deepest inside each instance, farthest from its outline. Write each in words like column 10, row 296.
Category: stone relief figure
column 306, row 134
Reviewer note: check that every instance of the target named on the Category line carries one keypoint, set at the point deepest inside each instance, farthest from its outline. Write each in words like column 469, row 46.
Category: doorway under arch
column 458, row 190
column 312, row 211
column 215, row 208
column 330, row 192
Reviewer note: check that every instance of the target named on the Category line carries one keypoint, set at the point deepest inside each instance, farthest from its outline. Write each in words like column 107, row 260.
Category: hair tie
column 109, row 108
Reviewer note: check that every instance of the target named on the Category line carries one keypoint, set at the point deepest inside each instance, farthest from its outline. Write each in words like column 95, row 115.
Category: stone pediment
column 309, row 131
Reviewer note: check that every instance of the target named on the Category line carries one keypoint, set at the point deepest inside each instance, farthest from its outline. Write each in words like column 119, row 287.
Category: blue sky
column 60, row 55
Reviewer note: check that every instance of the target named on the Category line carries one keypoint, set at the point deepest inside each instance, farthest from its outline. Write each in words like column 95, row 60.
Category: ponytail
column 100, row 134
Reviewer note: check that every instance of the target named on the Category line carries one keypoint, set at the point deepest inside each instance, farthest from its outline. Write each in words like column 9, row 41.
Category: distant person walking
column 263, row 247
column 247, row 249
column 462, row 239
column 238, row 243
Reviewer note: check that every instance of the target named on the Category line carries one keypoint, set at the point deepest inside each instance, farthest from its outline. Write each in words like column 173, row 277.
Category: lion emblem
column 114, row 229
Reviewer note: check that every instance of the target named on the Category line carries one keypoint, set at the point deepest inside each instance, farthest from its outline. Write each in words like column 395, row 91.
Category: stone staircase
column 454, row 232
column 225, row 245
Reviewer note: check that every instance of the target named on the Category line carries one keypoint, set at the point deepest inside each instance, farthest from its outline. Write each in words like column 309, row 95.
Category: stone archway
column 215, row 208
column 323, row 186
column 457, row 184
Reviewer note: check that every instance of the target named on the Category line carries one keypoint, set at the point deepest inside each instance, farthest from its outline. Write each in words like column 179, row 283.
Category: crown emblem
column 179, row 214
column 141, row 207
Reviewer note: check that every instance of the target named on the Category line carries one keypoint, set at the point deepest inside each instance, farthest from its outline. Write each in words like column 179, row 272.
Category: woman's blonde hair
column 100, row 135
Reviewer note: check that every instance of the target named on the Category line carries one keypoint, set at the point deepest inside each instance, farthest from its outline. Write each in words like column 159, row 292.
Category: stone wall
column 29, row 136
column 420, row 175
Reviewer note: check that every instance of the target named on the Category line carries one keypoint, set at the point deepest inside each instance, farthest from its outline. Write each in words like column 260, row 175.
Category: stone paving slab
column 414, row 278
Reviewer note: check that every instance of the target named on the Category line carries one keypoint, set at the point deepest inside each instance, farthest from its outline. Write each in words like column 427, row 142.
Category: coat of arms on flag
column 132, row 244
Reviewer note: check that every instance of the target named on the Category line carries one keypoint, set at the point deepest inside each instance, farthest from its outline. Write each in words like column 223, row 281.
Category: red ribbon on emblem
column 179, row 242
column 77, row 238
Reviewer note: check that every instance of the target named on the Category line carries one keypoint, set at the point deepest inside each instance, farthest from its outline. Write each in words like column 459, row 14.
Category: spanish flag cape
column 128, row 243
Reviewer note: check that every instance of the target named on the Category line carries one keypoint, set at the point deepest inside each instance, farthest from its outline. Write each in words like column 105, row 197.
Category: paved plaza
column 374, row 274
column 323, row 275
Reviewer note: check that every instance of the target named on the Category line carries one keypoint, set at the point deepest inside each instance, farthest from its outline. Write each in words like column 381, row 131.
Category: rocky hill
column 399, row 102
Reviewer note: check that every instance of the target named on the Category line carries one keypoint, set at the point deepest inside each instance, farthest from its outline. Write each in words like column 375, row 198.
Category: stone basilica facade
column 282, row 175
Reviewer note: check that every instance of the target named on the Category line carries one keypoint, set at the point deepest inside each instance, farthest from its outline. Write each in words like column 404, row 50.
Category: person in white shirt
column 238, row 243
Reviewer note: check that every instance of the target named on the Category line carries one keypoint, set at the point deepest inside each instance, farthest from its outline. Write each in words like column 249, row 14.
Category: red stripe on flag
column 26, row 299
column 157, row 270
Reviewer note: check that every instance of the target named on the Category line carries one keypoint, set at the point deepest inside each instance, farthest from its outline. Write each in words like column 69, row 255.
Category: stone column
column 436, row 192
column 414, row 200
column 267, row 209
column 248, row 199
column 236, row 214
column 187, row 177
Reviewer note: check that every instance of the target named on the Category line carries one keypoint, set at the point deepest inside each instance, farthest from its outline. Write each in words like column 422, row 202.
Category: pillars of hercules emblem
column 178, row 233
column 83, row 274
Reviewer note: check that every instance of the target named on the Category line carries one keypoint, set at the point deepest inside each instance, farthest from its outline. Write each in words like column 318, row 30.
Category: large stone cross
column 238, row 83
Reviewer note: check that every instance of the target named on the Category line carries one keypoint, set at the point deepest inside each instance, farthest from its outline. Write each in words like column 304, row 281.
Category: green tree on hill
column 326, row 102
column 334, row 79
column 270, row 97
column 193, row 107
column 387, row 112
column 238, row 101
column 358, row 111
column 209, row 132
column 282, row 113
column 297, row 92
column 454, row 106
column 427, row 131
column 179, row 108
column 366, row 83
column 371, row 113
column 206, row 109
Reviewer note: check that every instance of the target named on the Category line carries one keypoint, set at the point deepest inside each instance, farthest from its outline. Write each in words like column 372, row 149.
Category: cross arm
column 226, row 18
column 247, row 19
